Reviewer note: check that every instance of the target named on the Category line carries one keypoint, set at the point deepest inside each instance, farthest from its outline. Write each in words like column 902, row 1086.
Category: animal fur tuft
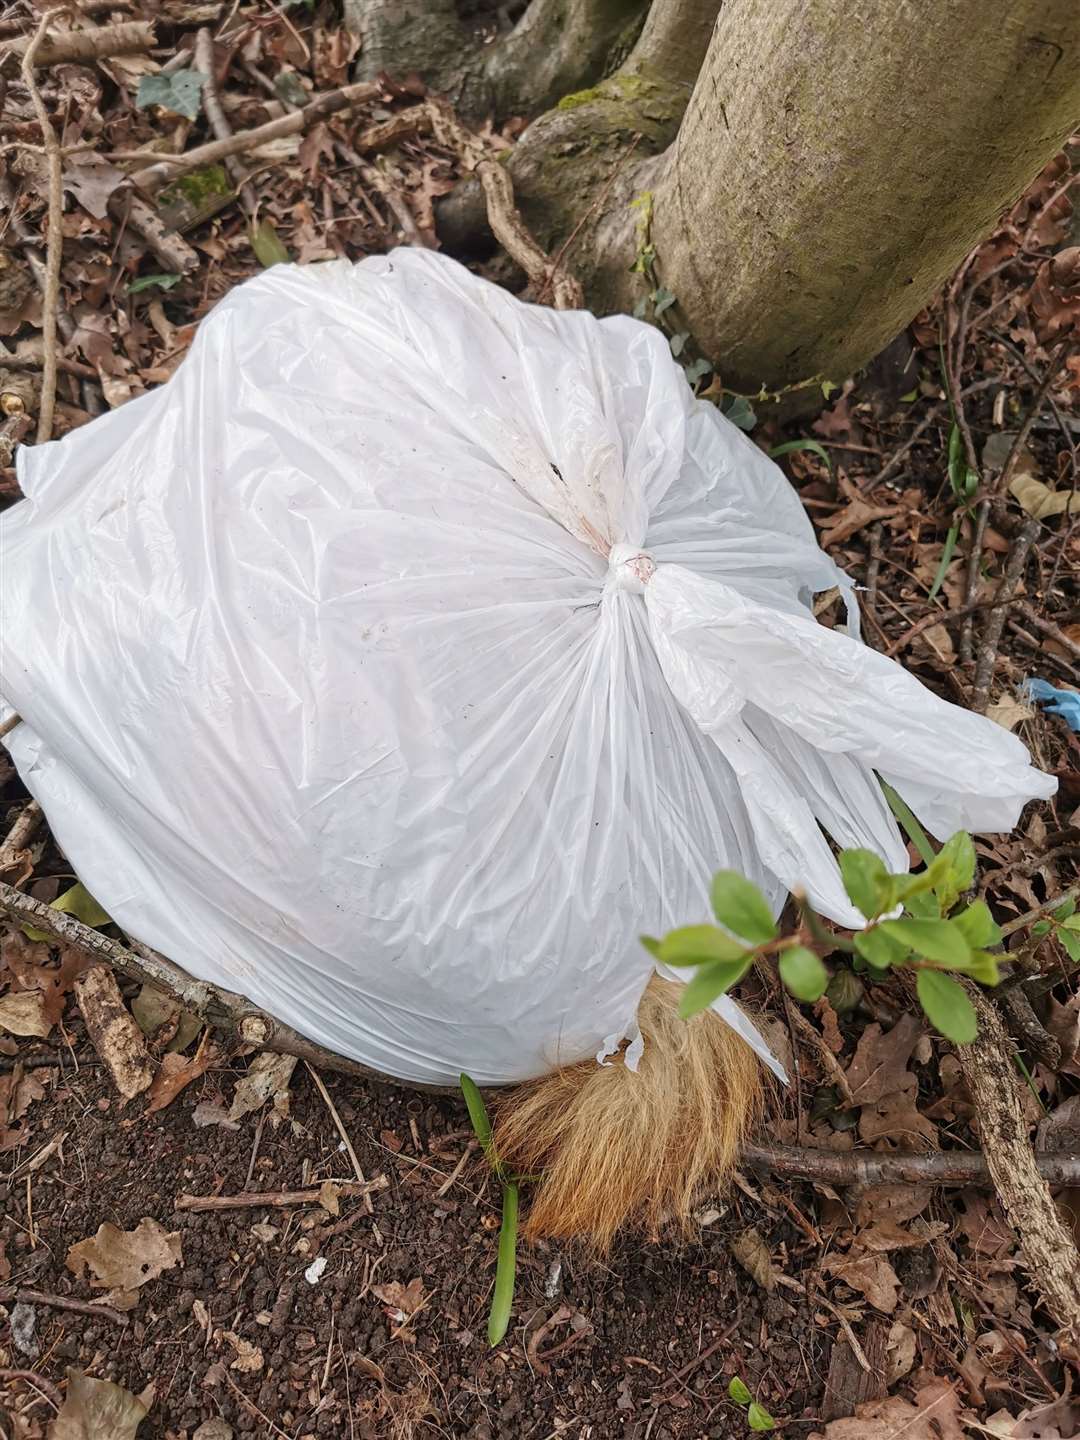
column 611, row 1148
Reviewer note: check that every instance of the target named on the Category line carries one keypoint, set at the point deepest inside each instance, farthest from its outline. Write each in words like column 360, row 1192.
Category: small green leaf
column 662, row 299
column 699, row 945
column 742, row 907
column 1070, row 942
column 1071, row 922
column 947, row 553
column 827, row 388
column 879, row 949
column 947, row 1006
column 740, row 412
column 957, row 856
column 144, row 282
column 1064, row 911
column 844, row 991
column 922, row 906
column 976, row 924
column 652, row 945
column 180, row 92
column 910, row 396
column 1041, row 927
column 758, row 1418
column 738, row 1391
column 803, row 973
column 868, row 884
column 502, row 1301
column 287, row 87
column 914, row 831
column 697, row 370
column 269, row 249
column 982, row 966
column 790, row 447
column 678, row 342
column 937, row 940
column 710, row 982
column 478, row 1116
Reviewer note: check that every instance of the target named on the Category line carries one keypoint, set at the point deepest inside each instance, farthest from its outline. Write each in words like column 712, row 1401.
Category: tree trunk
column 838, row 160
column 557, row 46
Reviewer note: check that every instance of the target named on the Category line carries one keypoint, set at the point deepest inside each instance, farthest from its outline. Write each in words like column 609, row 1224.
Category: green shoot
column 502, row 1300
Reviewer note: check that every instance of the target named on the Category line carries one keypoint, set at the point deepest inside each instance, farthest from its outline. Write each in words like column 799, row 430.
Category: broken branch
column 83, row 47
column 871, row 1167
column 55, row 239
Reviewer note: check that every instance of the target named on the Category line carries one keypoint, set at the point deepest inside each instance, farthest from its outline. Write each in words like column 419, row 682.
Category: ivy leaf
column 663, row 299
column 710, row 982
column 947, row 1007
column 740, row 412
column 742, row 907
column 180, row 92
column 758, row 1418
column 803, row 973
column 698, row 370
column 738, row 1391
column 977, row 926
column 868, row 884
column 699, row 945
column 937, row 940
column 678, row 342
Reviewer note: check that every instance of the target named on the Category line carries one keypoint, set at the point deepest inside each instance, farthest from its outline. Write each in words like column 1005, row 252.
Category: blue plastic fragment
column 1065, row 703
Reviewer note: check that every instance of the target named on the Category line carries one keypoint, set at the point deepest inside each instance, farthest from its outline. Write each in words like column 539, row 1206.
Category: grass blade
column 914, row 831
column 506, row 1268
column 789, row 447
column 478, row 1115
column 946, row 558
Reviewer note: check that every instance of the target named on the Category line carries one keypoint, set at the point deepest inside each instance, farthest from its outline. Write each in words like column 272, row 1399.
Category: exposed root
column 613, row 1148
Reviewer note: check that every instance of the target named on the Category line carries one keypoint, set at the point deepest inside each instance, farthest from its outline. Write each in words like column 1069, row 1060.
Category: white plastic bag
column 414, row 650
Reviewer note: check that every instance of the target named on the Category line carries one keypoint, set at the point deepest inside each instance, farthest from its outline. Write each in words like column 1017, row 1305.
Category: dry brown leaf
column 934, row 1416
column 886, row 1234
column 870, row 1275
column 895, row 1117
column 899, row 1352
column 92, row 180
column 1054, row 297
column 268, row 1075
column 1040, row 501
column 879, row 1065
column 97, row 1410
column 176, row 1071
column 403, row 1300
column 248, row 1358
column 18, row 1091
column 752, row 1253
column 23, row 1013
column 1060, row 1420
column 1009, row 712
column 122, row 1260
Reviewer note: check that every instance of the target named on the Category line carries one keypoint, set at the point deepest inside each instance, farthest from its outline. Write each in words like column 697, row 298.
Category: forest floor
column 341, row 1316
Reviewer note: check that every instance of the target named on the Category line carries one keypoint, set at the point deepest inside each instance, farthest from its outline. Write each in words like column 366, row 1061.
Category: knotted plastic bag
column 414, row 650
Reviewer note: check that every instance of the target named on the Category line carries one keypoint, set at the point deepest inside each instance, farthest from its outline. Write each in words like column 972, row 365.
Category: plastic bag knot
column 630, row 568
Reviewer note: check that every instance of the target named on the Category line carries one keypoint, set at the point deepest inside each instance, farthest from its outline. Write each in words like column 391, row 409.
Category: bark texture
column 838, row 160
column 556, row 46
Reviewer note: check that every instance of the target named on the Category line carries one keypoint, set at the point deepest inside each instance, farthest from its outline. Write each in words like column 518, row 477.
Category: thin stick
column 204, row 61
column 886, row 473
column 168, row 167
column 1001, row 485
column 936, row 617
column 17, row 1294
column 871, row 1167
column 995, row 621
column 45, row 1388
column 36, row 362
column 1040, row 910
column 55, row 239
column 278, row 1199
column 83, row 47
column 339, row 1125
column 1055, row 632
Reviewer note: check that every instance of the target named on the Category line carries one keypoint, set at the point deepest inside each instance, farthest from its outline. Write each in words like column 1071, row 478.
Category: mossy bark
column 557, row 46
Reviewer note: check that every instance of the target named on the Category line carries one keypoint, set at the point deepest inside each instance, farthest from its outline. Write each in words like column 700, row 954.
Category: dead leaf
column 268, row 1075
column 886, row 1235
column 879, row 1065
column 92, row 181
column 752, row 1253
column 316, row 145
column 894, row 1117
column 97, row 1410
column 402, row 1300
column 123, row 1260
column 18, row 1091
column 1054, row 297
column 23, row 1013
column 899, row 1352
column 870, row 1275
column 207, row 1112
column 328, row 1197
column 1009, row 712
column 855, row 516
column 176, row 1071
column 249, row 1358
column 934, row 1416
column 1040, row 501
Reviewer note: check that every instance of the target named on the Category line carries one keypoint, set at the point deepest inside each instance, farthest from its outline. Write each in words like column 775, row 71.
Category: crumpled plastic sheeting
column 413, row 650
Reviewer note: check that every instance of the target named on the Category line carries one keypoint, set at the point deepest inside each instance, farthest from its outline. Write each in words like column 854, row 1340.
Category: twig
column 995, row 621
column 1048, row 1248
column 340, row 1127
column 971, row 580
column 1001, row 485
column 168, row 167
column 167, row 245
column 278, row 1199
column 20, row 24
column 220, row 1008
column 18, row 1294
column 36, row 1382
column 871, row 1167
column 204, row 61
column 887, row 471
column 37, row 362
column 83, row 47
column 503, row 216
column 1055, row 632
column 936, row 617
column 449, row 1181
column 55, row 239
column 1030, row 916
